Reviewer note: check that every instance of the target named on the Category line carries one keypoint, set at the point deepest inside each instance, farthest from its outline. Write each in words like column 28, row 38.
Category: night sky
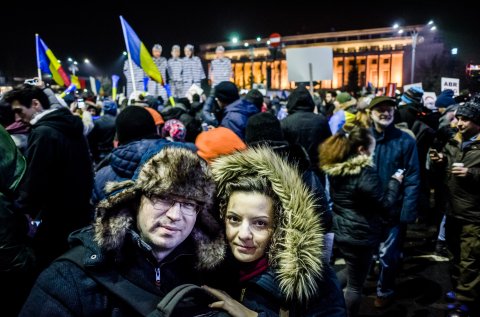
column 91, row 29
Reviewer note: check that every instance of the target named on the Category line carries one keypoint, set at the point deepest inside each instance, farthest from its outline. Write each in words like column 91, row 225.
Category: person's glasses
column 165, row 203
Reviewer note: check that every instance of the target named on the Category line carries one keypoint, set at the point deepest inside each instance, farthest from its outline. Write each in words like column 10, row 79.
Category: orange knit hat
column 157, row 117
column 217, row 142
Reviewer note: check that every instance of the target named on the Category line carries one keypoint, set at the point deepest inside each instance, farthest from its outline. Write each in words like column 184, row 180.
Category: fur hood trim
column 295, row 252
column 172, row 170
column 352, row 166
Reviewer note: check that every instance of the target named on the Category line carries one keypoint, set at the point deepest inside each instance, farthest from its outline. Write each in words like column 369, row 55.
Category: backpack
column 183, row 300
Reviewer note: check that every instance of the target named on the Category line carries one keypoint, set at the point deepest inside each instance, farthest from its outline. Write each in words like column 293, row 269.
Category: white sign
column 429, row 99
column 451, row 83
column 298, row 60
column 406, row 87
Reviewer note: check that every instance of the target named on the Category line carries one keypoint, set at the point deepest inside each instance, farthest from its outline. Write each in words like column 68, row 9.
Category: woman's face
column 249, row 225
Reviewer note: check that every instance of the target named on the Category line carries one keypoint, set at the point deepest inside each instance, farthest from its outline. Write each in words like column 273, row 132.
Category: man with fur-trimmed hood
column 145, row 241
column 275, row 263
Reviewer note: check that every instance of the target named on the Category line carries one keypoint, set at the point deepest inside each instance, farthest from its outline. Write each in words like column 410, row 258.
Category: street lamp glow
column 454, row 51
column 433, row 28
column 70, row 59
column 395, row 26
column 400, row 31
column 87, row 61
column 430, row 22
column 59, row 61
column 259, row 38
column 234, row 40
column 124, row 53
column 75, row 63
column 268, row 42
column 245, row 44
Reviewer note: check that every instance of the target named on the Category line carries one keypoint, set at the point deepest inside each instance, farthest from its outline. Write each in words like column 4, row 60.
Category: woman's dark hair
column 251, row 184
column 342, row 145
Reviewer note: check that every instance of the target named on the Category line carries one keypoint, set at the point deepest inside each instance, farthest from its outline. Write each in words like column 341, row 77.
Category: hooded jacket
column 236, row 114
column 15, row 255
column 114, row 250
column 297, row 279
column 359, row 201
column 58, row 180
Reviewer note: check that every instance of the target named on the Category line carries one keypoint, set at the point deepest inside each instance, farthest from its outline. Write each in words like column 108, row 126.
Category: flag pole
column 39, row 71
column 129, row 56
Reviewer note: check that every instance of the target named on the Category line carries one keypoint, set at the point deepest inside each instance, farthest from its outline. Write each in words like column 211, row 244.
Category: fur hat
column 217, row 142
column 300, row 99
column 413, row 95
column 134, row 123
column 263, row 126
column 470, row 109
column 445, row 99
column 226, row 92
column 171, row 170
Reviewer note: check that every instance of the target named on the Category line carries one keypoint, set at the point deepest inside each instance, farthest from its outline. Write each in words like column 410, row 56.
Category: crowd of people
column 107, row 208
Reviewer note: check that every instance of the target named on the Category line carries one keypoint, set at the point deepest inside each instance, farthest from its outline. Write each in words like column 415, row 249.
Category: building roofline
column 313, row 36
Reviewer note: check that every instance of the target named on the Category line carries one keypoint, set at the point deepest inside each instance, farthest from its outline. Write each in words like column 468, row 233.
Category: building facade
column 382, row 56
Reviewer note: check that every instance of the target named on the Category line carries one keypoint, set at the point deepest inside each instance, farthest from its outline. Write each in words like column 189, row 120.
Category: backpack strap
column 134, row 296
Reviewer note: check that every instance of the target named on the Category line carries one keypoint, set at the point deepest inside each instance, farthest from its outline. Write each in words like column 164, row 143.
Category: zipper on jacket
column 157, row 276
column 242, row 294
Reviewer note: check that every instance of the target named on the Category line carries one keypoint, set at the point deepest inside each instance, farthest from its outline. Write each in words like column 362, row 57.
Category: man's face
column 220, row 54
column 467, row 128
column 382, row 115
column 175, row 53
column 165, row 225
column 24, row 113
column 156, row 53
column 187, row 52
column 328, row 97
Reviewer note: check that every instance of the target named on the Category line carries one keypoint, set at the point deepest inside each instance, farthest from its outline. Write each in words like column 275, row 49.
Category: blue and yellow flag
column 139, row 53
column 48, row 63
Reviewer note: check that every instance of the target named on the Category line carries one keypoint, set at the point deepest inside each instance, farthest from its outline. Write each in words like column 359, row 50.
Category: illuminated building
column 382, row 56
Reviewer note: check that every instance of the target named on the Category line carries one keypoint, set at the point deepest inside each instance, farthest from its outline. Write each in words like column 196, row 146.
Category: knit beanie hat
column 263, row 126
column 110, row 107
column 300, row 99
column 157, row 117
column 413, row 95
column 226, row 92
column 470, row 109
column 216, row 142
column 445, row 99
column 174, row 130
column 134, row 123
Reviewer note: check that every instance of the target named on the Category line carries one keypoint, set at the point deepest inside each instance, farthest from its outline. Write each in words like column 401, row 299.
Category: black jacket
column 59, row 179
column 359, row 201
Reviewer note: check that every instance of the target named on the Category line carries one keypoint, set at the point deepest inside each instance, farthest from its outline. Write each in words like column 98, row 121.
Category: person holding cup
column 461, row 158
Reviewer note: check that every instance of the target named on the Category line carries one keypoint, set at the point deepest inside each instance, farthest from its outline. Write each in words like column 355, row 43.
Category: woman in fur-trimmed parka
column 274, row 262
column 359, row 204
column 151, row 234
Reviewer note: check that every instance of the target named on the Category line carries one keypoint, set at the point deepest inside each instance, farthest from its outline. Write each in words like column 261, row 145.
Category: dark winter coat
column 298, row 279
column 359, row 201
column 395, row 150
column 58, row 182
column 306, row 128
column 113, row 250
column 464, row 192
column 101, row 137
column 15, row 255
column 236, row 114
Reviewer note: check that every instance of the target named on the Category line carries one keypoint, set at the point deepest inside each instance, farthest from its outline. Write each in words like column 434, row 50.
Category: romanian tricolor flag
column 139, row 53
column 48, row 63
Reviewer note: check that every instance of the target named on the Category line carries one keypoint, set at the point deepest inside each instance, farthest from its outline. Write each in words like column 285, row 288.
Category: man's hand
column 435, row 156
column 228, row 304
column 460, row 171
